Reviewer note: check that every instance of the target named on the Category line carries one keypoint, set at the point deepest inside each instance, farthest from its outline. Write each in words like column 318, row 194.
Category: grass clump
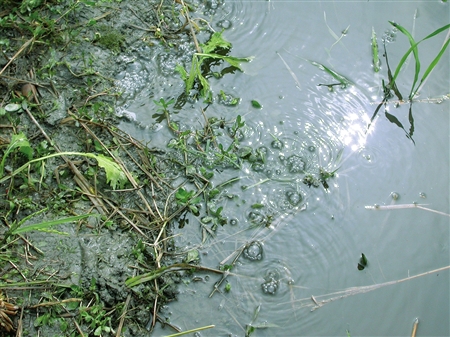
column 109, row 38
column 390, row 88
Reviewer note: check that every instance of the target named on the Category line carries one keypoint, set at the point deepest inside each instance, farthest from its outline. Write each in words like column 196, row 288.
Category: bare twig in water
column 319, row 301
column 416, row 323
column 191, row 331
column 391, row 207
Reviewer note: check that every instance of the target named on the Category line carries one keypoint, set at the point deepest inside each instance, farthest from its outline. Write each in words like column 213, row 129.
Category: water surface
column 312, row 247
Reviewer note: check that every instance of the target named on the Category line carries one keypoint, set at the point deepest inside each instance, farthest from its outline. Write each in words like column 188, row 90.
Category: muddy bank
column 65, row 68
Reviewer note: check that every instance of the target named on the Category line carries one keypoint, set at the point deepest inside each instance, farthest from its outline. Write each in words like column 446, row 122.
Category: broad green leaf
column 114, row 174
column 216, row 41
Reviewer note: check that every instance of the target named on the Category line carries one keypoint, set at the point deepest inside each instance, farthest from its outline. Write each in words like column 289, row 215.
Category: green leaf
column 184, row 75
column 341, row 79
column 114, row 174
column 256, row 104
column 216, row 41
column 413, row 47
column 192, row 256
column 17, row 141
column 415, row 53
column 432, row 65
column 47, row 224
column 376, row 60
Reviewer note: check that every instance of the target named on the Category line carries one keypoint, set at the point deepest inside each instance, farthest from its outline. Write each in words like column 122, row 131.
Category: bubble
column 263, row 150
column 234, row 221
column 269, row 173
column 277, row 144
column 395, row 195
column 294, row 198
column 423, row 195
column 253, row 251
column 295, row 164
column 311, row 148
column 256, row 217
column 225, row 24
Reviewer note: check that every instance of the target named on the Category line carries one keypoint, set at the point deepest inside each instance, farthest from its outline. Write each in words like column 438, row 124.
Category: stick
column 419, row 206
column 17, row 54
column 416, row 323
column 191, row 331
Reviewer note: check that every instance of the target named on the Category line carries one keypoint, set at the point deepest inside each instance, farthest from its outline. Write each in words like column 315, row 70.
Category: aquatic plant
column 390, row 86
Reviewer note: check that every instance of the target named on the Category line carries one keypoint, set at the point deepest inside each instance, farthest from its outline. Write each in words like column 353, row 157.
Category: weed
column 213, row 53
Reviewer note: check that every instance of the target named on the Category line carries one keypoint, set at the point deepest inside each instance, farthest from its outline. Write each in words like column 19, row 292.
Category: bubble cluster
column 295, row 164
column 271, row 282
column 253, row 251
column 277, row 144
column 270, row 286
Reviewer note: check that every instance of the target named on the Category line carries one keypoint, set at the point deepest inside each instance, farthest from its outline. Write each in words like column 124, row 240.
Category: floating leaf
column 256, row 104
column 192, row 256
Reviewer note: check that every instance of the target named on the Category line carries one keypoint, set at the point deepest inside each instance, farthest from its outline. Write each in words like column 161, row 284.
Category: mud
column 72, row 283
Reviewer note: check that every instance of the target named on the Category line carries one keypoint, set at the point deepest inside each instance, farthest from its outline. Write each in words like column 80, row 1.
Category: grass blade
column 415, row 51
column 432, row 65
column 392, row 84
column 47, row 224
column 411, row 123
column 341, row 79
column 376, row 59
column 290, row 71
column 403, row 59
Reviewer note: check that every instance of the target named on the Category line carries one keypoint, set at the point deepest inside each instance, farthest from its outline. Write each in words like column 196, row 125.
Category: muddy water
column 301, row 268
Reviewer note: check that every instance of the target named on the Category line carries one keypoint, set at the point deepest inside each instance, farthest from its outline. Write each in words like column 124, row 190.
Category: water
column 314, row 238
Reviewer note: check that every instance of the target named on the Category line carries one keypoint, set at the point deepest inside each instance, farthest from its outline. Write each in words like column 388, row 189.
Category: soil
column 58, row 88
